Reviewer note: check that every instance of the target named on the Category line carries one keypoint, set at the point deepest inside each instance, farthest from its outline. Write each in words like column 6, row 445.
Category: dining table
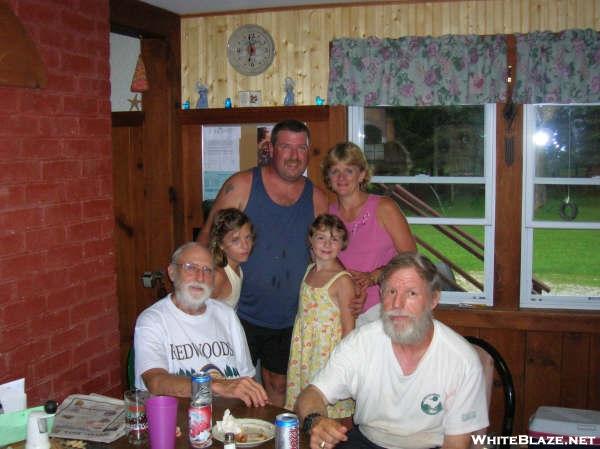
column 237, row 408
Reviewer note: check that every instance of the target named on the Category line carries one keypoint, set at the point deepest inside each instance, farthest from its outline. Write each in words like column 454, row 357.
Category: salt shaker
column 229, row 441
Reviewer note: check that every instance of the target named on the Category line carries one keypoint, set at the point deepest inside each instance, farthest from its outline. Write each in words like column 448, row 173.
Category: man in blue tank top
column 281, row 204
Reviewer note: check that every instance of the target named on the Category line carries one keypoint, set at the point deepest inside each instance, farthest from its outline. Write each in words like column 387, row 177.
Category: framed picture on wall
column 250, row 98
column 264, row 151
column 220, row 157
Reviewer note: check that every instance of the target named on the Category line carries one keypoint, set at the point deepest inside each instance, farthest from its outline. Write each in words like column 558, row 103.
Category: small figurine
column 289, row 92
column 202, row 95
column 227, row 103
column 319, row 101
column 186, row 104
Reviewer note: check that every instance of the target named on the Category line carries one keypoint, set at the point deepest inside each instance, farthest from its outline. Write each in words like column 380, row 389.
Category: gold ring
column 322, row 445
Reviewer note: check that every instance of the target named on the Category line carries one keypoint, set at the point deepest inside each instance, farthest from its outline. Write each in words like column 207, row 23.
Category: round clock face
column 250, row 49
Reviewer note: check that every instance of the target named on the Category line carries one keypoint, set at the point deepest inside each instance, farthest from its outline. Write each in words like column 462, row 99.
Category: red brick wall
column 58, row 304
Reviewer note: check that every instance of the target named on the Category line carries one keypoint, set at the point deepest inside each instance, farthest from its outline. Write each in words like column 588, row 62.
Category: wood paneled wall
column 552, row 356
column 147, row 164
column 302, row 38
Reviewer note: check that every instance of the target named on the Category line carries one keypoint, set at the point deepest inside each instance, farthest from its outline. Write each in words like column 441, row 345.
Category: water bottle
column 200, row 411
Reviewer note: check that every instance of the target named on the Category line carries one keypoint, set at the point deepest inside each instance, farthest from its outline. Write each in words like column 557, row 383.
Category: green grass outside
column 569, row 256
column 588, row 207
column 560, row 256
column 448, row 247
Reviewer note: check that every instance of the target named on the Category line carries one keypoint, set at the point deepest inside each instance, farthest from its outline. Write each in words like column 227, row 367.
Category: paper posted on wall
column 90, row 417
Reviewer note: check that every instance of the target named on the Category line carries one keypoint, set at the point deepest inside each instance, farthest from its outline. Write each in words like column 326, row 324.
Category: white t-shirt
column 445, row 395
column 183, row 344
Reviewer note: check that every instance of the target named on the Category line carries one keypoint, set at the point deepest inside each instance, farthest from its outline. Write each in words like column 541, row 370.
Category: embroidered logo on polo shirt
column 432, row 404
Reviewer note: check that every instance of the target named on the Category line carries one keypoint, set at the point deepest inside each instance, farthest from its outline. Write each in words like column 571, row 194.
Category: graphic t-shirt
column 445, row 395
column 183, row 344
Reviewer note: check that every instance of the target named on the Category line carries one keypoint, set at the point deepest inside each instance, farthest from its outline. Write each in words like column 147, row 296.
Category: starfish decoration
column 135, row 103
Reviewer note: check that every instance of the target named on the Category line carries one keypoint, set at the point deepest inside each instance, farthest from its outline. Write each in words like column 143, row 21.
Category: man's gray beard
column 189, row 301
column 413, row 333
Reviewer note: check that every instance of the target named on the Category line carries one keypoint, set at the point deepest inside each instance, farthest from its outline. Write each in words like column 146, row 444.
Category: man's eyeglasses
column 192, row 268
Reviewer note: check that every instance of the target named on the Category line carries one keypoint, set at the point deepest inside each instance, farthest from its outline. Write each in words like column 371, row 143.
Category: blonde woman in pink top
column 377, row 228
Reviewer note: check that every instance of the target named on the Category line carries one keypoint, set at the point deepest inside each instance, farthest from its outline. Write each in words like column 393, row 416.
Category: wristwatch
column 309, row 420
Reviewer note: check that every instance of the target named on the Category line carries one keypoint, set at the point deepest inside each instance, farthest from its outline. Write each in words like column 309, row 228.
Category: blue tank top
column 273, row 273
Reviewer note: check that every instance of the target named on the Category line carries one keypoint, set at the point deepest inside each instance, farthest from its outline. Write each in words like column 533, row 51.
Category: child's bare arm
column 344, row 294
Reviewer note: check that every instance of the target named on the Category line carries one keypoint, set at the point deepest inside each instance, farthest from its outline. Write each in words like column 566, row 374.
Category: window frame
column 529, row 225
column 466, row 299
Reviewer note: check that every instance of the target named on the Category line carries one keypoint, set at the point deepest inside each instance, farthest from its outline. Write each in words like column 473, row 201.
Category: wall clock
column 250, row 49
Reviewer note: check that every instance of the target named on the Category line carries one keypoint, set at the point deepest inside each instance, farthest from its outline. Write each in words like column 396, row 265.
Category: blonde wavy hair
column 347, row 153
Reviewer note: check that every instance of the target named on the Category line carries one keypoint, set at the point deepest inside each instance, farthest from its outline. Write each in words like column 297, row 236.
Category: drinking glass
column 135, row 415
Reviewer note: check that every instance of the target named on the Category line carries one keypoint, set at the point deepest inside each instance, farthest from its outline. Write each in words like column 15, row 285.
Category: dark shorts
column 271, row 346
column 356, row 440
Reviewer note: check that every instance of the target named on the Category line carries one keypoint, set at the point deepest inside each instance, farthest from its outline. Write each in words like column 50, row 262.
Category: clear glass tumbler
column 135, row 415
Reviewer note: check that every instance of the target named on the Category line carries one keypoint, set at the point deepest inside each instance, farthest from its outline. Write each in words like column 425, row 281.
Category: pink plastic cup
column 161, row 412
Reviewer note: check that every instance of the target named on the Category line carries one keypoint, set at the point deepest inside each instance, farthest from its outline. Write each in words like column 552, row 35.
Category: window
column 438, row 164
column 560, row 261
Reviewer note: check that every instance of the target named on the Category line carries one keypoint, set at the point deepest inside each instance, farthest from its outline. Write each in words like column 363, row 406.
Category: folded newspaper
column 90, row 417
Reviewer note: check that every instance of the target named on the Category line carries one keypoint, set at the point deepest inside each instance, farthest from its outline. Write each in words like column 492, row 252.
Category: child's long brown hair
column 225, row 221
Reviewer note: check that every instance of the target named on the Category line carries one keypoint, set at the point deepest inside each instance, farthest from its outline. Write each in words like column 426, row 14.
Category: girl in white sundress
column 324, row 315
column 231, row 240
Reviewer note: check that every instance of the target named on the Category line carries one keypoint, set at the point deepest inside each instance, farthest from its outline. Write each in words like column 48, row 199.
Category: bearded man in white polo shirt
column 417, row 383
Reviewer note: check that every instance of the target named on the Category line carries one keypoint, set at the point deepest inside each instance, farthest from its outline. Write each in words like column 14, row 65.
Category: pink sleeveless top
column 369, row 245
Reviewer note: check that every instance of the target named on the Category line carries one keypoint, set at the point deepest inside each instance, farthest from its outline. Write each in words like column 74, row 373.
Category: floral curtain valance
column 558, row 67
column 415, row 71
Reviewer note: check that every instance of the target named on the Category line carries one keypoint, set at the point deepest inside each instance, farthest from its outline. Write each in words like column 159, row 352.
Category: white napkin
column 12, row 396
column 229, row 424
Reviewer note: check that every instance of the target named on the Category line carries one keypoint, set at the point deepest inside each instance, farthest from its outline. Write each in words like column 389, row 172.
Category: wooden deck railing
column 466, row 241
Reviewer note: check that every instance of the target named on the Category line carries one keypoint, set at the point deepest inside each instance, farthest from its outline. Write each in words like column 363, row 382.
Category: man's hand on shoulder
column 328, row 431
column 245, row 388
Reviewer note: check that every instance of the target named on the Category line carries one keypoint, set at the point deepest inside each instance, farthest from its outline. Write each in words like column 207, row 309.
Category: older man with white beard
column 417, row 383
column 187, row 332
